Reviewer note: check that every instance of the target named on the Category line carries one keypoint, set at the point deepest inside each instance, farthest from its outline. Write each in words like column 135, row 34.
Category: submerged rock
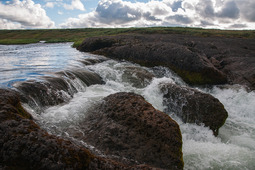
column 56, row 89
column 24, row 145
column 93, row 60
column 137, row 76
column 126, row 128
column 193, row 106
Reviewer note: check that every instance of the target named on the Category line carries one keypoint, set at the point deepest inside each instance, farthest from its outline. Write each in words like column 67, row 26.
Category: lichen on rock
column 128, row 129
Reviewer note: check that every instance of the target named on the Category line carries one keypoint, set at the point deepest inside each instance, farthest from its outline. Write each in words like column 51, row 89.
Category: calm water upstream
column 234, row 148
column 23, row 62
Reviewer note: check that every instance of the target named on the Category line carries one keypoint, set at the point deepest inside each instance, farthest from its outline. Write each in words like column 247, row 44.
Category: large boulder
column 194, row 67
column 193, row 106
column 24, row 145
column 126, row 128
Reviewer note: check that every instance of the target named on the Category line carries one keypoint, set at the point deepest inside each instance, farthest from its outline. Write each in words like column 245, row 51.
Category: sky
column 46, row 14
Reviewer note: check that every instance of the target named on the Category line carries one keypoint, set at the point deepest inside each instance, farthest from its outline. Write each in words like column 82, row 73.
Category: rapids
column 234, row 148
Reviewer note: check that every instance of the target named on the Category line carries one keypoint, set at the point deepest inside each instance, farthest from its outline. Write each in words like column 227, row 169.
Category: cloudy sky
column 220, row 14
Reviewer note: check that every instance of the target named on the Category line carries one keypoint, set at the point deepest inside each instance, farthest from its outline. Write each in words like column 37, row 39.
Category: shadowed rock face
column 24, row 145
column 198, row 60
column 193, row 106
column 128, row 129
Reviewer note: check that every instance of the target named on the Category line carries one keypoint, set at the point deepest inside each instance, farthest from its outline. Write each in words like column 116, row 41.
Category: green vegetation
column 77, row 35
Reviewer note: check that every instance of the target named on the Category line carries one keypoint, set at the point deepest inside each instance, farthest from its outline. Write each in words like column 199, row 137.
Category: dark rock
column 93, row 44
column 126, row 128
column 196, row 59
column 56, row 89
column 191, row 65
column 193, row 106
column 87, row 77
column 236, row 62
column 137, row 76
column 93, row 60
column 24, row 145
column 39, row 94
column 10, row 103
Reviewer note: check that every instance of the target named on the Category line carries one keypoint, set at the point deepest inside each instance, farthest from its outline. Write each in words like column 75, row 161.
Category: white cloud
column 24, row 14
column 50, row 4
column 5, row 24
column 229, row 14
column 60, row 13
column 76, row 4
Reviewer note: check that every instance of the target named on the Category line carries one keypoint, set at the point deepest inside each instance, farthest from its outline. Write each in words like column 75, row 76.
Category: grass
column 78, row 35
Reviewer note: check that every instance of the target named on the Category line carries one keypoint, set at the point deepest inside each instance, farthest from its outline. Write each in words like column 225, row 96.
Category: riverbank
column 8, row 37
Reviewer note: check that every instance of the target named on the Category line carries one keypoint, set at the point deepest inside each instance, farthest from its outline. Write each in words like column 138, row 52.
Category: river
column 234, row 148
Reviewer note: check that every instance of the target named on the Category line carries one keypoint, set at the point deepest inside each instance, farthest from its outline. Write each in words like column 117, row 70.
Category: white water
column 234, row 148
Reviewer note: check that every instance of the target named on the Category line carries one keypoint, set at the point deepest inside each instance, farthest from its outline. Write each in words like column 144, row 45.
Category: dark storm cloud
column 180, row 19
column 115, row 11
column 230, row 10
column 206, row 23
column 176, row 5
column 247, row 8
column 205, row 8
column 238, row 26
column 148, row 16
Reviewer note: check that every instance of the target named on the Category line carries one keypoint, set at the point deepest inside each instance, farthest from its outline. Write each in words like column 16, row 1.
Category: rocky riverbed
column 123, row 130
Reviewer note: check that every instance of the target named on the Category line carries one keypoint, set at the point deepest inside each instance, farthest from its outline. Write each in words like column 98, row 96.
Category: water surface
column 30, row 61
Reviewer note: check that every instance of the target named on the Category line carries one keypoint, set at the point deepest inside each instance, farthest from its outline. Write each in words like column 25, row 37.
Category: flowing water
column 234, row 148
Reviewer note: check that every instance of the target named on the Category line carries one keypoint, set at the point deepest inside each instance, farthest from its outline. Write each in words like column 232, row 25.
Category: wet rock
column 193, row 106
column 93, row 60
column 24, row 145
column 39, row 94
column 126, row 128
column 193, row 66
column 10, row 103
column 137, row 76
column 93, row 44
column 87, row 77
column 56, row 89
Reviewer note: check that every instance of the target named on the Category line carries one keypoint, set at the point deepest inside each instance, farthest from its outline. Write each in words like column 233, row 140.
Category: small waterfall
column 56, row 89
